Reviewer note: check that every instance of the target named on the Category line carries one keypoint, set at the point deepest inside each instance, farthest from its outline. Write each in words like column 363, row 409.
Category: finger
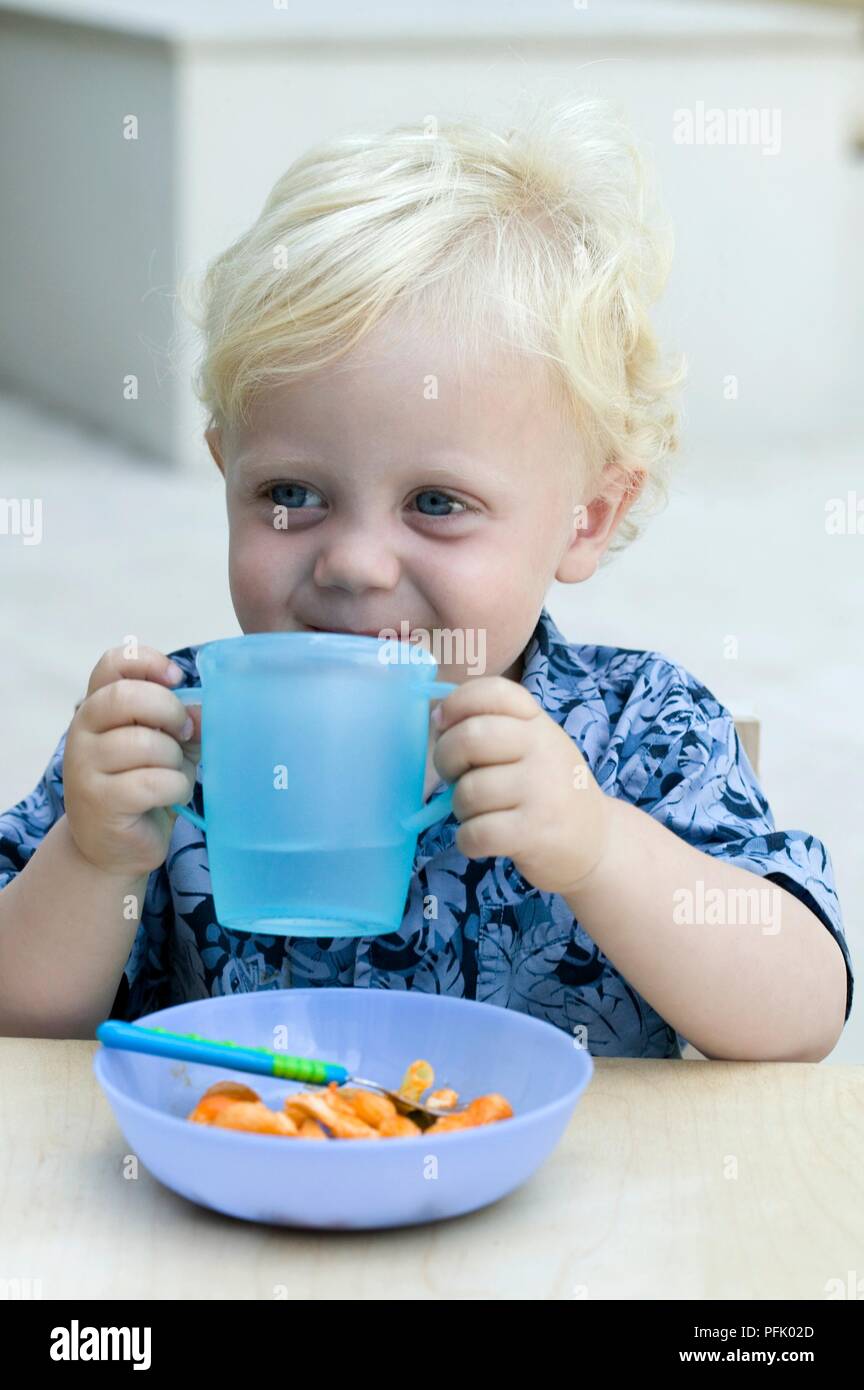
column 148, row 665
column 479, row 740
column 127, row 702
column 490, row 836
column 121, row 750
column 193, row 743
column 145, row 788
column 485, row 695
column 485, row 789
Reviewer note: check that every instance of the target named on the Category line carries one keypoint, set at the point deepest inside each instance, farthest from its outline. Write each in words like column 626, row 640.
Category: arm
column 66, row 930
column 773, row 989
column 68, row 918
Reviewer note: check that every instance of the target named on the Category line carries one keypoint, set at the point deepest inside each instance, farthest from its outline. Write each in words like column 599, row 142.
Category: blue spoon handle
column 191, row 1047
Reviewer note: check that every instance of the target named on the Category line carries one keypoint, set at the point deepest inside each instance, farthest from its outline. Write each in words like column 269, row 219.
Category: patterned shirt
column 651, row 734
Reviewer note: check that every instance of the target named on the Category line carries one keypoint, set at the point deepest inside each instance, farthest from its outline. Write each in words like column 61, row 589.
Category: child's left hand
column 524, row 790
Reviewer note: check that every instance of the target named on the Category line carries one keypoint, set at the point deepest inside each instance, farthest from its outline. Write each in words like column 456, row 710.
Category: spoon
column 192, row 1047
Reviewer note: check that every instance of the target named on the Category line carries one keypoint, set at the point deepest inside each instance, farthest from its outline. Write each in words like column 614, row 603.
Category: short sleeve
column 24, row 827
column 680, row 759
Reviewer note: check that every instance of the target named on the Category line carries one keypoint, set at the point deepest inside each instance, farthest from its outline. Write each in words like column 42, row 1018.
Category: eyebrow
column 471, row 467
column 252, row 460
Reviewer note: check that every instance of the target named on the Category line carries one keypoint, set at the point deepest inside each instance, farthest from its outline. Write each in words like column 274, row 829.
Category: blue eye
column 295, row 497
column 441, row 499
column 291, row 488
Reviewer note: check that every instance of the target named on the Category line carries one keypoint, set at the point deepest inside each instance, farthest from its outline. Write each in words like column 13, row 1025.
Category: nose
column 356, row 562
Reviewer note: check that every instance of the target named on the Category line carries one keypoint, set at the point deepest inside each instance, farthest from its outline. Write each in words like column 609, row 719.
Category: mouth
column 346, row 631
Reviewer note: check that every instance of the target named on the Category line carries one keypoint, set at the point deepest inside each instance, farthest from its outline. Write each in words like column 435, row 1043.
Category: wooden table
column 675, row 1179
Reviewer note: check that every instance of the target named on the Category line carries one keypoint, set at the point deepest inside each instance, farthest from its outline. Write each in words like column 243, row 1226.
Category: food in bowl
column 344, row 1112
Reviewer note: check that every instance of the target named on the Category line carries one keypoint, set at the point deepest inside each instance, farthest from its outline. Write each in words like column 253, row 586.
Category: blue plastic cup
column 313, row 760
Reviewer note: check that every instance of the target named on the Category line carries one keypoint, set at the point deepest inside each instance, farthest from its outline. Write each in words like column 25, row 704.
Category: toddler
column 433, row 390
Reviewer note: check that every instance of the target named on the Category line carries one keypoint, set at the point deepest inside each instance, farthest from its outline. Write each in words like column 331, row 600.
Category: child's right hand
column 126, row 760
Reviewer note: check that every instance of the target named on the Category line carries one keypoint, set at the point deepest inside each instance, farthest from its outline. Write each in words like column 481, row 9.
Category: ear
column 214, row 444
column 595, row 523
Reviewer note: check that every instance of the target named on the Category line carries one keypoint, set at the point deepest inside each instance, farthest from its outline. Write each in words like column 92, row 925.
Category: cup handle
column 441, row 805
column 190, row 695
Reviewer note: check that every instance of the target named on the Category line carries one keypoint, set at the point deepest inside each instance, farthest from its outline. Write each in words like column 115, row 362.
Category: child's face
column 357, row 500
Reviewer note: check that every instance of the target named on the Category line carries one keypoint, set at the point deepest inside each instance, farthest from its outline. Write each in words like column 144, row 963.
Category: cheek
column 256, row 564
column 504, row 587
column 493, row 589
column 498, row 564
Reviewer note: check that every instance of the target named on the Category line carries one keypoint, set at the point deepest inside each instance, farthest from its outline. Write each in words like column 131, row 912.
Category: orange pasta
column 344, row 1112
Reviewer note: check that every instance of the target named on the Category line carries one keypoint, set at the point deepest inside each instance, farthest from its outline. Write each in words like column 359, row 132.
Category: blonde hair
column 536, row 240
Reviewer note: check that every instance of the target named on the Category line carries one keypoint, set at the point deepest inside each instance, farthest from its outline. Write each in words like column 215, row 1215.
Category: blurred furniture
column 138, row 140
column 747, row 726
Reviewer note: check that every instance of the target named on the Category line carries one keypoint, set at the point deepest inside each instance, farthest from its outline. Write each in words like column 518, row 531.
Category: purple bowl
column 350, row 1184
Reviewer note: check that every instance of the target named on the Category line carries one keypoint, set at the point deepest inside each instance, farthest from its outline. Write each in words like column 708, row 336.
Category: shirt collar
column 548, row 669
